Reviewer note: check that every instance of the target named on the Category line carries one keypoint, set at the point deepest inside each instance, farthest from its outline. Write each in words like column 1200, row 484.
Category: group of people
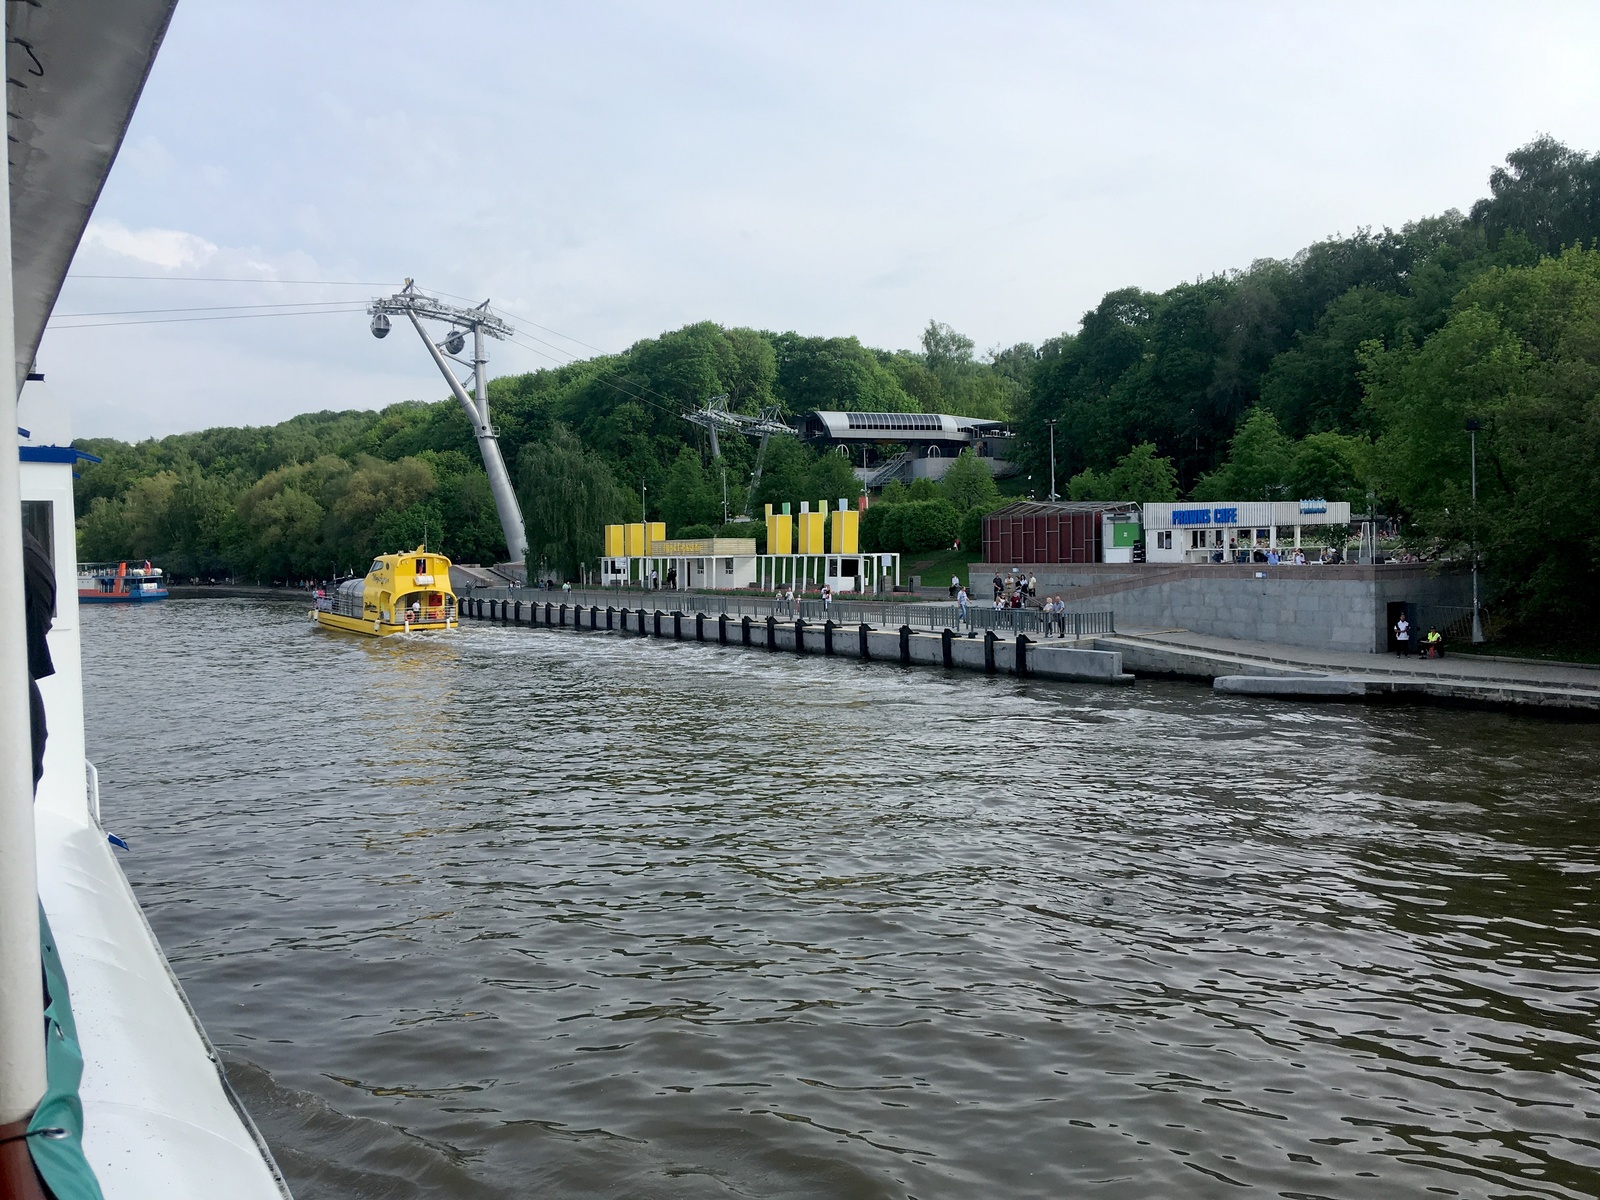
column 1053, row 610
column 1429, row 646
column 1015, row 590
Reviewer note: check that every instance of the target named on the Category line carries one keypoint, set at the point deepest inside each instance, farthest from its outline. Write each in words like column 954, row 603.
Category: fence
column 1454, row 621
column 933, row 617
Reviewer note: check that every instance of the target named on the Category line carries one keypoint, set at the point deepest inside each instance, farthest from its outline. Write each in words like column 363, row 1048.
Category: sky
column 604, row 172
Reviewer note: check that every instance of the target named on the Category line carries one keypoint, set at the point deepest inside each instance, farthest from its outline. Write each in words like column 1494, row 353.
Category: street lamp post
column 1052, row 425
column 1477, row 622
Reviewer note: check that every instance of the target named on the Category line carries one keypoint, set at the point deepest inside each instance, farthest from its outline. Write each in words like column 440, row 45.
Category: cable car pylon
column 715, row 416
column 419, row 306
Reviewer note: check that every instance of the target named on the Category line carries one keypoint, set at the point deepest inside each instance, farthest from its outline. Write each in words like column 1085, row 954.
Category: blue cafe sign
column 1205, row 516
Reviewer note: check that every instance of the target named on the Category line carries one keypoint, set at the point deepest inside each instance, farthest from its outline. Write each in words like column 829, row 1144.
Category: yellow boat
column 402, row 593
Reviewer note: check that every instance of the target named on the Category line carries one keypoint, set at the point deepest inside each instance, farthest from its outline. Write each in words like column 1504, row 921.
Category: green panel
column 60, row 1158
column 1125, row 533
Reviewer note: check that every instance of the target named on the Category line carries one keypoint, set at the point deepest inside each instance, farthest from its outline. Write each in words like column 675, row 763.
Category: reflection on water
column 513, row 912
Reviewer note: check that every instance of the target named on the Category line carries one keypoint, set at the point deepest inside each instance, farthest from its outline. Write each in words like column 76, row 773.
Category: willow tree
column 568, row 495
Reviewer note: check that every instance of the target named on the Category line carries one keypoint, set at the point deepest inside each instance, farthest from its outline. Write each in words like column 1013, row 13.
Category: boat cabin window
column 39, row 519
column 377, row 565
column 422, row 566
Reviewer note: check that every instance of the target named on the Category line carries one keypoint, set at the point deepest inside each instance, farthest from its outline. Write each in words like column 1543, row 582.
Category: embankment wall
column 1325, row 608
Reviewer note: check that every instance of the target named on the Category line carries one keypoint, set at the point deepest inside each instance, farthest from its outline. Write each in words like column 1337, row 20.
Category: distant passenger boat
column 402, row 593
column 118, row 583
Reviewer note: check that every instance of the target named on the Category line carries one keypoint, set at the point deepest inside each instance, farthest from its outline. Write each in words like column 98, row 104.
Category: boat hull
column 377, row 628
column 96, row 597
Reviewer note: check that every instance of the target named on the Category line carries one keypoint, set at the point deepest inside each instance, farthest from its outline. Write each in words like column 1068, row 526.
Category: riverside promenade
column 884, row 635
column 1268, row 669
column 909, row 634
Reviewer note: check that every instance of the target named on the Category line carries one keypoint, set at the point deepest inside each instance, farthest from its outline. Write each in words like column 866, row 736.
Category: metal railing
column 932, row 617
column 1454, row 621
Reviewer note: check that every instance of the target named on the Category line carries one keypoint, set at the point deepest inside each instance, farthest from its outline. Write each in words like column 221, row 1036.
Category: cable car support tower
column 417, row 307
column 715, row 416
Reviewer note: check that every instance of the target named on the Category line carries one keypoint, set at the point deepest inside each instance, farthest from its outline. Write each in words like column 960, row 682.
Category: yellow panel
column 616, row 541
column 657, row 533
column 811, row 527
column 780, row 533
column 846, row 532
column 636, row 547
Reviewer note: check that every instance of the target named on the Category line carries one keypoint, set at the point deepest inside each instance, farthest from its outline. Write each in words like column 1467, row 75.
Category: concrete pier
column 1264, row 669
column 1021, row 655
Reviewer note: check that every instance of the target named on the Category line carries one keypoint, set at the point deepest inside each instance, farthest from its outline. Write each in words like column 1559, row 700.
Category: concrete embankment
column 1021, row 656
column 235, row 591
column 1261, row 669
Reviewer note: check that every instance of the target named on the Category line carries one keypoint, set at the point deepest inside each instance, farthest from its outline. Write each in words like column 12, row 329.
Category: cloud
column 169, row 249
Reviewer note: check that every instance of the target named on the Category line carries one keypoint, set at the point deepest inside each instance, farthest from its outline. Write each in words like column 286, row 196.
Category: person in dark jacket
column 39, row 604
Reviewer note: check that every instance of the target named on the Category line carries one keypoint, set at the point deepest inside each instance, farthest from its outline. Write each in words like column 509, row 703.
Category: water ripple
column 514, row 912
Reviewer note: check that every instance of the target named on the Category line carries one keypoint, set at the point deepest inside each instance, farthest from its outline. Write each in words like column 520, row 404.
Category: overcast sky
column 610, row 171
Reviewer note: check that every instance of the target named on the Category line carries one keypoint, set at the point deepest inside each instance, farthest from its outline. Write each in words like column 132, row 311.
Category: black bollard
column 799, row 635
column 699, row 627
column 658, row 622
column 772, row 633
column 722, row 629
column 563, row 616
column 905, row 645
column 677, row 626
column 744, row 629
column 866, row 644
column 611, row 615
column 827, row 638
column 516, row 614
column 944, row 641
column 641, row 623
column 547, row 612
column 989, row 640
column 1022, row 655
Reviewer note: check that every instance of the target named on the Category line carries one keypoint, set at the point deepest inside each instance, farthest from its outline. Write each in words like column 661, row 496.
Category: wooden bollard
column 772, row 633
column 744, row 623
column 905, row 645
column 799, row 635
column 722, row 629
column 949, row 656
column 989, row 639
column 866, row 642
column 1022, row 655
column 827, row 638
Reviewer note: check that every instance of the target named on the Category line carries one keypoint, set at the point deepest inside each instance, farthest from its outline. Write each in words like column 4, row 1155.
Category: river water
column 510, row 912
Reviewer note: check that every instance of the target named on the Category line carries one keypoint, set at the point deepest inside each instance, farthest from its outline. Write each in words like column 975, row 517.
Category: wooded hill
column 1346, row 372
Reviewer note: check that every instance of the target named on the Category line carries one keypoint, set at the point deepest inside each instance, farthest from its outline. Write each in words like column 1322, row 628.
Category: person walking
column 963, row 617
column 827, row 600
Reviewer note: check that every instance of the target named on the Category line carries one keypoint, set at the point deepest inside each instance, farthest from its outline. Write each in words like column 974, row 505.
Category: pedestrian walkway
column 1246, row 666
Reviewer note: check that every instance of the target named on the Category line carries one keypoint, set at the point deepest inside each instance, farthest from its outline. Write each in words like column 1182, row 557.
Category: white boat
column 158, row 1118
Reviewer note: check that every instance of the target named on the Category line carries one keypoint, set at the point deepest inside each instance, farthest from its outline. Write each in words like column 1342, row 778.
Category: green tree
column 969, row 482
column 1140, row 476
column 568, row 497
column 687, row 497
column 1521, row 356
column 1258, row 463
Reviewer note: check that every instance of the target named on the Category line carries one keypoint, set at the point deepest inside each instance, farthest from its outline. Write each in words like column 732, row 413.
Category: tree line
column 1346, row 372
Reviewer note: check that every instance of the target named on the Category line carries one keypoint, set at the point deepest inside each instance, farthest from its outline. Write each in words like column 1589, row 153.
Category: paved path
column 1462, row 677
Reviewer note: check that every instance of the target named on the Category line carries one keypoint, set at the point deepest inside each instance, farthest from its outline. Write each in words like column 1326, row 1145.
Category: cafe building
column 1225, row 532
